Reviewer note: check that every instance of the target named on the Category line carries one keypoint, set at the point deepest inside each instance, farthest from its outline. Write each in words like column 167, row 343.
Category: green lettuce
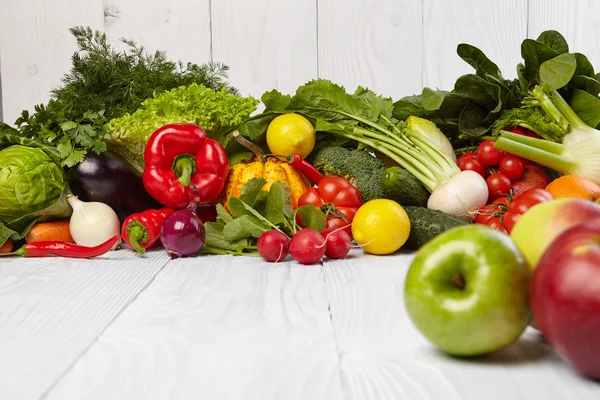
column 218, row 112
column 33, row 188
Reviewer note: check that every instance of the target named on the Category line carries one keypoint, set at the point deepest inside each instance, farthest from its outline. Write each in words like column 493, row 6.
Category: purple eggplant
column 107, row 179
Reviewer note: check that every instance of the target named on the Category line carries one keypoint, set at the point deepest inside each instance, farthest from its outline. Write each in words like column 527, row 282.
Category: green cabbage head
column 33, row 188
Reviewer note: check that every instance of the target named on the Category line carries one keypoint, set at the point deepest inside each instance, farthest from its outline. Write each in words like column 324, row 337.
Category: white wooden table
column 125, row 326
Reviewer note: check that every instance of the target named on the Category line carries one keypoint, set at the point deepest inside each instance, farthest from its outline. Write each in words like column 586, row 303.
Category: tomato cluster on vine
column 498, row 168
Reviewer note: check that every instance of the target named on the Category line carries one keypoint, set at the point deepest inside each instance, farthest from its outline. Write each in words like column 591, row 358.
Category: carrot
column 50, row 231
column 7, row 247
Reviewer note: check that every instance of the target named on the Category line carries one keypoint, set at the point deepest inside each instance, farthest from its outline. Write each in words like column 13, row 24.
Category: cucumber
column 425, row 224
column 402, row 187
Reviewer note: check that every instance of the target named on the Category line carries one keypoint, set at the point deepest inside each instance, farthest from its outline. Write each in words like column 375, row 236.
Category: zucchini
column 402, row 187
column 425, row 224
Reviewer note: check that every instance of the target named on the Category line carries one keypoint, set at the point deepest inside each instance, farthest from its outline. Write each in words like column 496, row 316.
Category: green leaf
column 478, row 60
column 523, row 82
column 274, row 101
column 222, row 214
column 214, row 237
column 239, row 157
column 64, row 148
column 558, row 71
column 74, row 158
column 554, row 40
column 276, row 204
column 243, row 227
column 586, row 106
column 69, row 125
column 471, row 119
column 237, row 207
column 590, row 85
column 432, row 100
column 479, row 91
column 584, row 66
column 251, row 190
column 312, row 217
column 534, row 53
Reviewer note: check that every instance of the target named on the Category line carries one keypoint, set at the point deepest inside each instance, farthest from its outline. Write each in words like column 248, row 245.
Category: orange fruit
column 573, row 186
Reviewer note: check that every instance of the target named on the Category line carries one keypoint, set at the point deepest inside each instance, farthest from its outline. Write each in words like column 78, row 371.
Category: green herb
column 106, row 83
column 255, row 212
column 478, row 102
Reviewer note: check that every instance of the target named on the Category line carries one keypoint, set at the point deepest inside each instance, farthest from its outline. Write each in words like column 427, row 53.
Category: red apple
column 565, row 297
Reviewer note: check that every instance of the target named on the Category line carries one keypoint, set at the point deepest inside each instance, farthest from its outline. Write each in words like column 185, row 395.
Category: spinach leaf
column 471, row 120
column 478, row 90
column 432, row 100
column 534, row 53
column 478, row 60
column 558, row 71
column 590, row 85
column 554, row 40
column 584, row 66
column 586, row 106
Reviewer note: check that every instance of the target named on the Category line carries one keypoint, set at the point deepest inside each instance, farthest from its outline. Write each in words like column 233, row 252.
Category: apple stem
column 458, row 280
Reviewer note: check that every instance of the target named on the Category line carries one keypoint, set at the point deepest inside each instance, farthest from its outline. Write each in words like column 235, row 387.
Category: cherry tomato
column 466, row 156
column 498, row 185
column 519, row 130
column 472, row 164
column 512, row 166
column 488, row 154
column 530, row 198
column 509, row 219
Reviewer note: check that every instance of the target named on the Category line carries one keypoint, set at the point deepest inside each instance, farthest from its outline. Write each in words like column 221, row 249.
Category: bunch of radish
column 307, row 246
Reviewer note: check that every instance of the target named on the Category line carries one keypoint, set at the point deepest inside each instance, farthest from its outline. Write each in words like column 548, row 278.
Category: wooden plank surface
column 268, row 44
column 495, row 27
column 52, row 309
column 377, row 44
column 576, row 20
column 385, row 357
column 216, row 328
column 181, row 28
column 36, row 47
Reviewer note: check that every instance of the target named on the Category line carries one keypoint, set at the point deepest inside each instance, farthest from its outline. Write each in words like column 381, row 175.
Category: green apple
column 467, row 291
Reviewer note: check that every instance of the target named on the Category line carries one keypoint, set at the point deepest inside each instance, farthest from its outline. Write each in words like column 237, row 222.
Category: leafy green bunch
column 255, row 212
column 477, row 104
column 105, row 83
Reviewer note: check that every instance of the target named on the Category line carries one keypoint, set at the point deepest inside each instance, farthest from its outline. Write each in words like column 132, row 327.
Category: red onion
column 182, row 234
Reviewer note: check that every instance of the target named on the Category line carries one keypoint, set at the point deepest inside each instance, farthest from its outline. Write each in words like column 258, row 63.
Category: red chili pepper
column 65, row 249
column 142, row 230
column 179, row 154
column 303, row 166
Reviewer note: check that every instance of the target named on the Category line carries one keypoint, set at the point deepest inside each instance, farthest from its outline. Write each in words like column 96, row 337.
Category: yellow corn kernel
column 298, row 183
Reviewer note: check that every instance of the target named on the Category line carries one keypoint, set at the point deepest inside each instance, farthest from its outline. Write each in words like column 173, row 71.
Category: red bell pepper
column 142, row 230
column 179, row 154
column 338, row 198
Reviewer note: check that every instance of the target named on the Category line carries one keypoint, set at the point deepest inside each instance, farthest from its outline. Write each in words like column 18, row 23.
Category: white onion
column 462, row 195
column 92, row 223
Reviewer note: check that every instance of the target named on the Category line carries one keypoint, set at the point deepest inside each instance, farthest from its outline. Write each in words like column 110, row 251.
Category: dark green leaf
column 534, row 53
column 479, row 91
column 432, row 100
column 478, row 60
column 312, row 217
column 584, row 66
column 471, row 119
column 409, row 105
column 586, row 106
column 558, row 71
column 554, row 40
column 590, row 85
column 251, row 190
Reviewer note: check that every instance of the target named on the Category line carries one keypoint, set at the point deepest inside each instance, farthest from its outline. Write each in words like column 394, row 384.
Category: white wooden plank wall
column 394, row 47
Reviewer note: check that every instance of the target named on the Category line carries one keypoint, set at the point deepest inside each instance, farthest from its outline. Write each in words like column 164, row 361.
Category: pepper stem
column 137, row 234
column 184, row 167
column 250, row 146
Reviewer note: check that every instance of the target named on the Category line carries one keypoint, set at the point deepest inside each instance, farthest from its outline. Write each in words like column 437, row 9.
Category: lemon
column 291, row 134
column 381, row 226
